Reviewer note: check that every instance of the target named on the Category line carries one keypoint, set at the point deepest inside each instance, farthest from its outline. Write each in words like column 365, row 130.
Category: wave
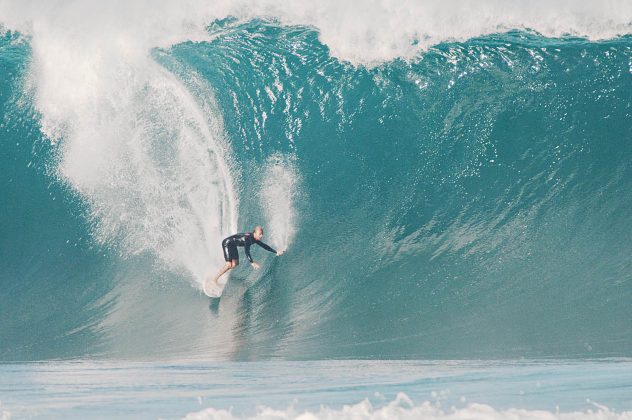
column 467, row 199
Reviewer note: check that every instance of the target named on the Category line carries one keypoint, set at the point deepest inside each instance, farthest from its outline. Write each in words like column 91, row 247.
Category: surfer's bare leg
column 228, row 266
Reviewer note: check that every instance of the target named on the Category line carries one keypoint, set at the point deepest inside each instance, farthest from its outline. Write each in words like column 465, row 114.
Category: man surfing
column 231, row 255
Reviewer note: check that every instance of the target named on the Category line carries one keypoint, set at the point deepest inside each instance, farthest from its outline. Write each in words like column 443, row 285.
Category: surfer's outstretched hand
column 255, row 265
column 279, row 253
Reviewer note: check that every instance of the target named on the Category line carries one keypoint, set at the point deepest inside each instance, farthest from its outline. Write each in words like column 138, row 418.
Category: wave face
column 468, row 199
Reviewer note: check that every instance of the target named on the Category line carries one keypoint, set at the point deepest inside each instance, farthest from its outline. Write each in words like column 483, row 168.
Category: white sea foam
column 372, row 31
column 361, row 31
column 278, row 197
column 4, row 414
column 404, row 408
column 146, row 155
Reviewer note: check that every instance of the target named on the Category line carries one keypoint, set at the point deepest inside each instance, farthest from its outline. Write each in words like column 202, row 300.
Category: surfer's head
column 258, row 233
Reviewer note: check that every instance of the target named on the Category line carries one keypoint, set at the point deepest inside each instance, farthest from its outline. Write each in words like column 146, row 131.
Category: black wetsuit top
column 231, row 243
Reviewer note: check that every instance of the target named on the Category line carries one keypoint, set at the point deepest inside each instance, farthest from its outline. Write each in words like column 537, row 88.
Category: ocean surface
column 451, row 181
column 333, row 389
column 369, row 389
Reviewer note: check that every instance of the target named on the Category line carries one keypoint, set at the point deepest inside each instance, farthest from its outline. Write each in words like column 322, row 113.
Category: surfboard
column 211, row 290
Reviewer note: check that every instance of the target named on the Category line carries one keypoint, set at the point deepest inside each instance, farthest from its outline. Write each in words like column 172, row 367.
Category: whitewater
column 451, row 181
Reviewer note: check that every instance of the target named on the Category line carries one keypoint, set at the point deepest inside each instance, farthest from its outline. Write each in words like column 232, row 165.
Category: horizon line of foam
column 402, row 407
column 359, row 31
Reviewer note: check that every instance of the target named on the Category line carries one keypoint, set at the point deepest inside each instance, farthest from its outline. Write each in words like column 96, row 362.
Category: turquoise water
column 448, row 185
column 369, row 389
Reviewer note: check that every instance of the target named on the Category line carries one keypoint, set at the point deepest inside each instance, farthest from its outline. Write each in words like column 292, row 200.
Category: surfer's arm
column 247, row 250
column 266, row 247
column 254, row 264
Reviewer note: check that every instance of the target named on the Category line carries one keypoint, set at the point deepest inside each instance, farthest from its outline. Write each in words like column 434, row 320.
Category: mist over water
column 449, row 180
column 278, row 196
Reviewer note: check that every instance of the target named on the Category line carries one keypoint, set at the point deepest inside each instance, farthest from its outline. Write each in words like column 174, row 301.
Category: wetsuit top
column 245, row 240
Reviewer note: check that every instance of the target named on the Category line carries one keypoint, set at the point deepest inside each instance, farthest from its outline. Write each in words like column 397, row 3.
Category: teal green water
column 586, row 389
column 472, row 202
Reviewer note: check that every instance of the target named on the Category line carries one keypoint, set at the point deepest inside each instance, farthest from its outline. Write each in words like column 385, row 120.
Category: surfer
column 231, row 255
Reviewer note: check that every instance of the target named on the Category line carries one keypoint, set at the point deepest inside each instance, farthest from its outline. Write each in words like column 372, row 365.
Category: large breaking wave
column 450, row 181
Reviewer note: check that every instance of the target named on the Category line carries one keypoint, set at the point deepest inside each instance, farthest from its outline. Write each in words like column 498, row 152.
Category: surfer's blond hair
column 258, row 228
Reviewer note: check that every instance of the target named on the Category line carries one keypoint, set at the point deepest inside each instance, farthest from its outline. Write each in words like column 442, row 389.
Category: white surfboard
column 211, row 290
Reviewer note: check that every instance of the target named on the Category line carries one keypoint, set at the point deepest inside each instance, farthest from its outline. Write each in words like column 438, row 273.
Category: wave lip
column 363, row 32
